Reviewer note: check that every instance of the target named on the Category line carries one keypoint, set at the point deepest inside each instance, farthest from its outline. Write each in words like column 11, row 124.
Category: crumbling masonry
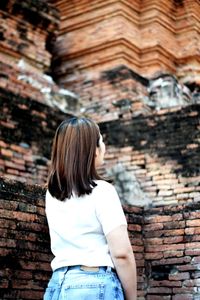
column 134, row 67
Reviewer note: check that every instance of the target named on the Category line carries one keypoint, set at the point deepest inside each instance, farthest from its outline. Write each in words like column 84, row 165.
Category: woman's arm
column 124, row 260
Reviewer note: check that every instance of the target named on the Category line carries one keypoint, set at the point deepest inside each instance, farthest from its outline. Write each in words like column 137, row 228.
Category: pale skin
column 120, row 246
column 124, row 260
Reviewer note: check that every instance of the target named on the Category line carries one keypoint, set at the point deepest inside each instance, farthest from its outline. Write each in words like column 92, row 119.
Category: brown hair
column 72, row 166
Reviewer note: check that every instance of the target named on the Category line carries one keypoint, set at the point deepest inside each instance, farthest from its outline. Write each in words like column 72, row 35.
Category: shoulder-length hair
column 72, row 168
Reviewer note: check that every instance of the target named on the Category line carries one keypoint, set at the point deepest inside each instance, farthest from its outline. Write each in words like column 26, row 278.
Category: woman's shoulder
column 104, row 185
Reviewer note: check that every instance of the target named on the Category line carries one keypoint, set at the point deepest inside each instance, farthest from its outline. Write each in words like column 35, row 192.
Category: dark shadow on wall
column 25, row 120
column 25, row 254
column 172, row 136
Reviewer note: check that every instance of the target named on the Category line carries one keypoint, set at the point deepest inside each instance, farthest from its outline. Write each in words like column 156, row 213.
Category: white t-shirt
column 78, row 226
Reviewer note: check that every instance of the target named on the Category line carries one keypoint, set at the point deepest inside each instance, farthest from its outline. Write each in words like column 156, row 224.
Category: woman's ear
column 97, row 151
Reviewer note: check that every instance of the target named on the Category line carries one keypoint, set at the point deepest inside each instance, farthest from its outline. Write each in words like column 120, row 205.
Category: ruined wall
column 27, row 130
column 24, row 30
column 135, row 221
column 129, row 64
column 31, row 104
column 28, row 96
column 145, row 36
column 165, row 241
column 160, row 151
column 172, row 252
column 24, row 242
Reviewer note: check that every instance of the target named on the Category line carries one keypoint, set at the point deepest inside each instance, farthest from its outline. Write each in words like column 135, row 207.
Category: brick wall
column 148, row 37
column 165, row 241
column 115, row 93
column 25, row 27
column 24, row 242
column 158, row 148
column 135, row 221
column 31, row 104
column 161, row 150
column 27, row 130
column 172, row 252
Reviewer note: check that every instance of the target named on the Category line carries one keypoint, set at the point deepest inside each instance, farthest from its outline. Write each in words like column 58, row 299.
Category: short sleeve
column 108, row 207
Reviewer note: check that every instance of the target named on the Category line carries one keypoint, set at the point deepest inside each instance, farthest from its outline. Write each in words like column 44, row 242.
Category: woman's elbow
column 125, row 253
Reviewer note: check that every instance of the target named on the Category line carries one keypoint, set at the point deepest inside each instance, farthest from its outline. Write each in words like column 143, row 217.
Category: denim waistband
column 79, row 267
column 71, row 280
column 59, row 274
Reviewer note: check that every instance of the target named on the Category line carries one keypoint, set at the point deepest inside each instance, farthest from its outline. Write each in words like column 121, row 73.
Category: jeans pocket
column 85, row 292
column 51, row 293
column 117, row 287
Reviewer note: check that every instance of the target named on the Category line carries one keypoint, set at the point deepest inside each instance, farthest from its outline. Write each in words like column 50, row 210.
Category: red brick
column 154, row 241
column 156, row 297
column 137, row 248
column 192, row 223
column 12, row 165
column 161, row 248
column 12, row 171
column 153, row 227
column 192, row 230
column 6, row 152
column 172, row 261
column 183, row 297
column 153, row 256
column 174, row 232
column 134, row 227
column 195, row 260
column 192, row 252
column 158, row 219
column 186, row 290
column 192, row 245
column 3, row 144
column 160, row 290
column 19, row 149
column 173, row 254
column 186, row 267
column 167, row 283
column 4, row 283
column 24, row 216
column 173, row 240
column 179, row 276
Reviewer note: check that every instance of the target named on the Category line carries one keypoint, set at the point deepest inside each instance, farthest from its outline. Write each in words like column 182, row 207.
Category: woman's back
column 79, row 224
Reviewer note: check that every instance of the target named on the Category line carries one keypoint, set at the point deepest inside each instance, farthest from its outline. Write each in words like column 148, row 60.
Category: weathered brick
column 192, row 230
column 182, row 297
column 168, row 254
column 167, row 283
column 192, row 223
column 195, row 260
column 179, row 276
column 150, row 248
column 192, row 245
column 6, row 152
column 153, row 227
column 192, row 252
column 160, row 290
column 185, row 290
column 173, row 240
column 187, row 267
column 172, row 261
column 153, row 256
column 134, row 227
column 156, row 297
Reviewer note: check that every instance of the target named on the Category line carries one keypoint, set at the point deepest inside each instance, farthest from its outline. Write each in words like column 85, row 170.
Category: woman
column 93, row 257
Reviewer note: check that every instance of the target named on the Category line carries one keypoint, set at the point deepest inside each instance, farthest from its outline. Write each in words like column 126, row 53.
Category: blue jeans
column 75, row 284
